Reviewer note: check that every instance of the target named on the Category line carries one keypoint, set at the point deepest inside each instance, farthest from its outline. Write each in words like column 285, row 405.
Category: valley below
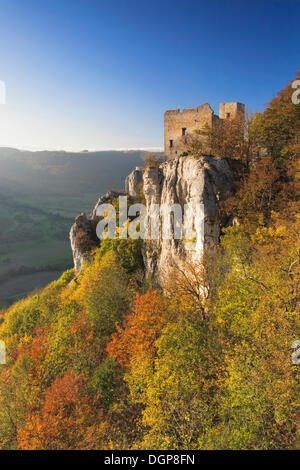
column 40, row 195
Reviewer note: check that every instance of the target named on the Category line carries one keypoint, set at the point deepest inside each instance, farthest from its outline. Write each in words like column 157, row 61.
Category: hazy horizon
column 82, row 150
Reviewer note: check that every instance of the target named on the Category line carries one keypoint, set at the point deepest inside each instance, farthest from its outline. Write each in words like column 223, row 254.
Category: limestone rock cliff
column 187, row 181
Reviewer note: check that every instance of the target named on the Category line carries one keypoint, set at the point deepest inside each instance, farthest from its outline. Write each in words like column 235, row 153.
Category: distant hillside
column 65, row 173
column 40, row 194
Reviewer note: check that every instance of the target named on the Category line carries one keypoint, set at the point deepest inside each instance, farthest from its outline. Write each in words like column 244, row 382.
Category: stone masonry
column 178, row 125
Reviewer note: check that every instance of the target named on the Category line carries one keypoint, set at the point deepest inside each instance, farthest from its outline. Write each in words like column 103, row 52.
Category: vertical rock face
column 82, row 227
column 192, row 183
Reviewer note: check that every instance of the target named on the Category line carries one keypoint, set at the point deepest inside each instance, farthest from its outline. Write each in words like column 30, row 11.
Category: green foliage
column 23, row 317
column 128, row 251
column 106, row 380
column 103, row 293
column 179, row 394
column 255, row 312
column 67, row 276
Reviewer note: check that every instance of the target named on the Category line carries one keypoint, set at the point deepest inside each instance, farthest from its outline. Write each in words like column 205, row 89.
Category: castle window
column 227, row 115
column 171, row 144
column 183, row 130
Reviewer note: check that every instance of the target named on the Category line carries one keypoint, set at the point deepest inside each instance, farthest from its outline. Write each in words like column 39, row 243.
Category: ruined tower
column 230, row 110
column 178, row 125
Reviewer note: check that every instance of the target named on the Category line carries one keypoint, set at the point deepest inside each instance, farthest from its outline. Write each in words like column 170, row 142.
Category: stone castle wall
column 178, row 125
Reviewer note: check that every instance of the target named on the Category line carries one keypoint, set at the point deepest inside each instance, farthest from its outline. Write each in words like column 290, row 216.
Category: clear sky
column 95, row 74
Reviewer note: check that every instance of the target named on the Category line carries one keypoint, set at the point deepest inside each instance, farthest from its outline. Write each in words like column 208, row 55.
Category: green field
column 32, row 244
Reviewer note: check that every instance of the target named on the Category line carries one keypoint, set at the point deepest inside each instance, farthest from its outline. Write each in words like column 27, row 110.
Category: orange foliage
column 38, row 347
column 85, row 339
column 64, row 417
column 142, row 328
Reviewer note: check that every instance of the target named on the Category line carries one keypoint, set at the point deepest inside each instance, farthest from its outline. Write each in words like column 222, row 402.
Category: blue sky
column 87, row 74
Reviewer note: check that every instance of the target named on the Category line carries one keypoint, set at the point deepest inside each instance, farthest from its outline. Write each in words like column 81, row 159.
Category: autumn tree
column 63, row 420
column 178, row 391
column 256, row 313
column 141, row 328
column 103, row 293
column 277, row 128
column 190, row 284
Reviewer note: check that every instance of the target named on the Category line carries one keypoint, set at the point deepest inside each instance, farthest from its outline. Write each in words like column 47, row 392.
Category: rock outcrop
column 196, row 182
column 134, row 182
column 83, row 236
column 105, row 199
column 190, row 182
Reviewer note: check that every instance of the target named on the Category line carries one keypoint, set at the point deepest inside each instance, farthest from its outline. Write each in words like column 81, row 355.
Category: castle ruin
column 178, row 125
